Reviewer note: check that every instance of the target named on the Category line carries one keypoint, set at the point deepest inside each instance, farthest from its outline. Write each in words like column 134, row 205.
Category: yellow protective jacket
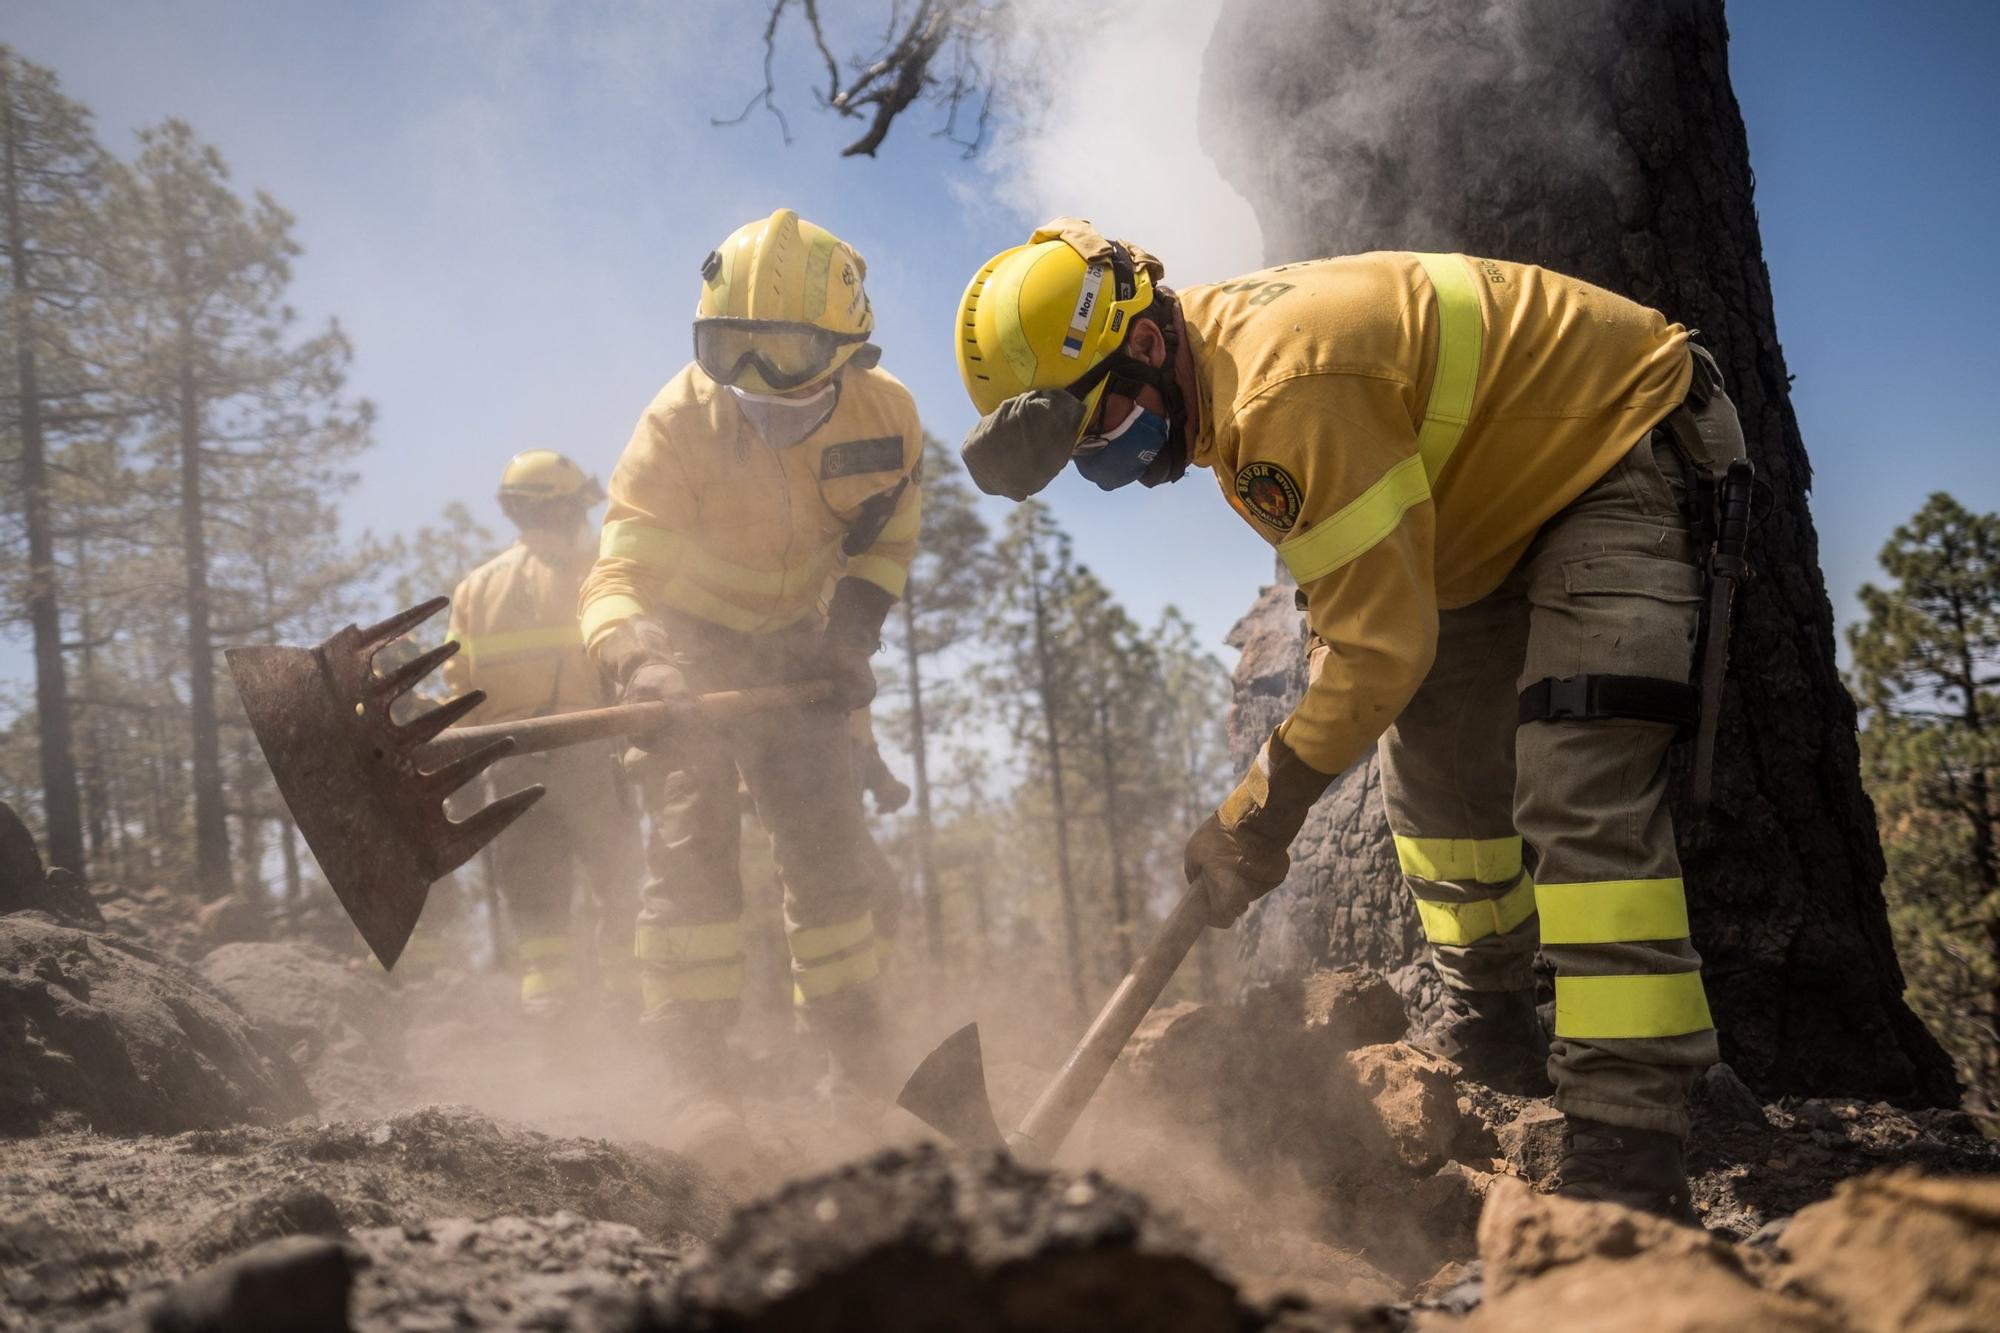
column 1400, row 426
column 709, row 521
column 515, row 620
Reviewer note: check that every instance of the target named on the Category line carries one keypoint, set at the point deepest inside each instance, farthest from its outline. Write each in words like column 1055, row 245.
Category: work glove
column 852, row 634
column 1240, row 853
column 636, row 656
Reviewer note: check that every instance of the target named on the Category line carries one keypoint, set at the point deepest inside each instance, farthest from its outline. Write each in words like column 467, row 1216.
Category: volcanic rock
column 1556, row 1263
column 342, row 1026
column 98, row 1032
column 1932, row 1248
column 924, row 1240
column 299, row 1284
column 26, row 887
column 1409, row 1106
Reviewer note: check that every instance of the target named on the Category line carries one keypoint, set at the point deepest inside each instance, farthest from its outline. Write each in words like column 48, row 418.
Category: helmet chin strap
column 1172, row 463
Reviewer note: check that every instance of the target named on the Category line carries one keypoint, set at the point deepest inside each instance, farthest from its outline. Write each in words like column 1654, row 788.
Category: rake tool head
column 374, row 818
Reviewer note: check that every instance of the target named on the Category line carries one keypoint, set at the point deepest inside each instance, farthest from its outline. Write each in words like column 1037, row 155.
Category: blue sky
column 506, row 205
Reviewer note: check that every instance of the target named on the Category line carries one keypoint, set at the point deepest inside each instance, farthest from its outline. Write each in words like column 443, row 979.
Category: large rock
column 1552, row 1263
column 26, row 887
column 1932, row 1250
column 342, row 1026
column 1260, row 1080
column 1406, row 1110
column 923, row 1240
column 96, row 1032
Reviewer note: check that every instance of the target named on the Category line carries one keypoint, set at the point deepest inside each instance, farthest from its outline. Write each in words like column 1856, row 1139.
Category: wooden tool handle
column 534, row 735
column 1055, row 1112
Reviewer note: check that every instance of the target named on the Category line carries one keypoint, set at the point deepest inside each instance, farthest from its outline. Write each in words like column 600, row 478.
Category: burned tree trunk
column 1601, row 138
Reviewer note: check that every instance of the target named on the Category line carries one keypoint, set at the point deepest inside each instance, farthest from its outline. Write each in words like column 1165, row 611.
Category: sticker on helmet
column 1269, row 493
column 1086, row 302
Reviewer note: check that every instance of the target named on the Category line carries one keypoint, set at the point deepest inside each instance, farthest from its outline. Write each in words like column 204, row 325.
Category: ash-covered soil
column 1285, row 1162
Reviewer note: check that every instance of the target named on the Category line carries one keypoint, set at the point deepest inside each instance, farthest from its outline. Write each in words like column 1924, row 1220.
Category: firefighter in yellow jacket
column 1457, row 460
column 778, row 454
column 514, row 618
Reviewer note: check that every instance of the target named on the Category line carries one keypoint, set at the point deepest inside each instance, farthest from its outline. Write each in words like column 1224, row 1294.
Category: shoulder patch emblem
column 883, row 454
column 1269, row 493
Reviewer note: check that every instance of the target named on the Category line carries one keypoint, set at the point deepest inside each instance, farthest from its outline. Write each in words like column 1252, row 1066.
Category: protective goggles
column 785, row 354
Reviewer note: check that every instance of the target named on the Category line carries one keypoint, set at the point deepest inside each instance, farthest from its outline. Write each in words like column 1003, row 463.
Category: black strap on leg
column 1590, row 698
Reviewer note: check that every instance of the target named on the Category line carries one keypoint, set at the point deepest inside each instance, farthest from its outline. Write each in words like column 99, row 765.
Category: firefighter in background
column 515, row 620
column 1500, row 560
column 781, row 452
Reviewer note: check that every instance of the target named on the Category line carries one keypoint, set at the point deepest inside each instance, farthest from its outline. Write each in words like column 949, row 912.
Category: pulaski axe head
column 948, row 1092
column 350, row 773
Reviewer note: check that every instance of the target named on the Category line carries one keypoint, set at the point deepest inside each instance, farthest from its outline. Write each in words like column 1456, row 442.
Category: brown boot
column 1639, row 1168
column 1496, row 1038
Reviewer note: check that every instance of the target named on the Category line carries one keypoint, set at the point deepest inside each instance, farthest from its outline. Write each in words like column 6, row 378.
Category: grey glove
column 853, row 632
column 636, row 655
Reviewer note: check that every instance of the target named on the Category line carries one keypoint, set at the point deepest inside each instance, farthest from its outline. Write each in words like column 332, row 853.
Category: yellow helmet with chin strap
column 782, row 307
column 1040, row 329
column 1043, row 315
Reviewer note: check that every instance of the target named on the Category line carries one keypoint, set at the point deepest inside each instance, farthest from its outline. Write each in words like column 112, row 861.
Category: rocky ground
column 243, row 1134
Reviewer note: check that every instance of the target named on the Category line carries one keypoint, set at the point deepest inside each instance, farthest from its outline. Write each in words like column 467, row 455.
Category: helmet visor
column 783, row 354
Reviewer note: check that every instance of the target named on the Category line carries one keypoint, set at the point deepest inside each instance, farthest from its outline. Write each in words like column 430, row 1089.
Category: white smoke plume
column 1112, row 135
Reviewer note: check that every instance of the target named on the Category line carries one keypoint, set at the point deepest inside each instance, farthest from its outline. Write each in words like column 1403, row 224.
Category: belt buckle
column 1569, row 697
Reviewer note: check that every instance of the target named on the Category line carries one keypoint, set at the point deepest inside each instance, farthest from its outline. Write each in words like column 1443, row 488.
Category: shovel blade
column 948, row 1092
column 375, row 825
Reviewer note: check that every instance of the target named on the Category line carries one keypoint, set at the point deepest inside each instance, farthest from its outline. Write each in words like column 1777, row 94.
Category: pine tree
column 1115, row 707
column 1927, row 677
column 246, row 421
column 1030, row 680
column 51, row 171
column 951, row 580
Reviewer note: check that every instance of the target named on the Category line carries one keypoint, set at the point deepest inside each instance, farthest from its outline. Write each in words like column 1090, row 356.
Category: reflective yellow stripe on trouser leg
column 699, row 962
column 1495, row 896
column 1622, row 911
column 546, row 971
column 832, row 958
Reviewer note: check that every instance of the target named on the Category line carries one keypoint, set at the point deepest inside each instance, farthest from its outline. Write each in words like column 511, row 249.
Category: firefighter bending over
column 1493, row 485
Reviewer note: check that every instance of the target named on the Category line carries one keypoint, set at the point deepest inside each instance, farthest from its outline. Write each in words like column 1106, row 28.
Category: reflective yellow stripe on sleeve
column 1460, row 924
column 490, row 648
column 1486, row 860
column 1456, row 377
column 1615, row 911
column 604, row 612
column 881, row 571
column 904, row 525
column 1605, row 1008
column 1346, row 536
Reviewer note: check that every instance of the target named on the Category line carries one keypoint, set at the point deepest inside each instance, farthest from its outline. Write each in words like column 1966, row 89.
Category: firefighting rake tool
column 948, row 1090
column 368, row 792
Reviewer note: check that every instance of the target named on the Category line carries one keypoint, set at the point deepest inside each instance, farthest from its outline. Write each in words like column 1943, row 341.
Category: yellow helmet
column 1042, row 316
column 782, row 306
column 544, row 474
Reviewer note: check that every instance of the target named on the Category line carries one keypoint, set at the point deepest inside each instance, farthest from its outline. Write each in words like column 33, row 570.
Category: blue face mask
column 1125, row 453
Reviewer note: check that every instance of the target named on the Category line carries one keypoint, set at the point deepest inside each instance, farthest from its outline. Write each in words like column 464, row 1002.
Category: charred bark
column 1600, row 138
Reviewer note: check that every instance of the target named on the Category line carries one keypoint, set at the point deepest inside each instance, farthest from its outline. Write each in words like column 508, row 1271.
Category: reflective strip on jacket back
column 1331, row 543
